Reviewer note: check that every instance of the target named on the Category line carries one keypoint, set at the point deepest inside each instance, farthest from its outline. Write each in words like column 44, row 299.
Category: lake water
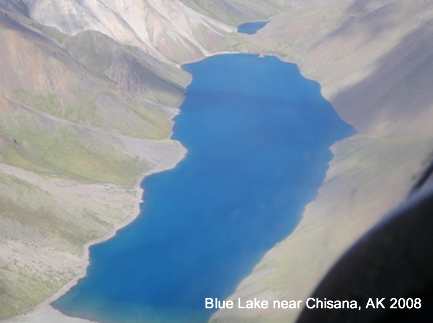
column 258, row 137
column 251, row 27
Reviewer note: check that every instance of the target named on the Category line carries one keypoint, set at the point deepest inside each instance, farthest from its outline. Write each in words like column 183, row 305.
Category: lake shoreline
column 51, row 313
column 45, row 309
column 249, row 115
column 44, row 312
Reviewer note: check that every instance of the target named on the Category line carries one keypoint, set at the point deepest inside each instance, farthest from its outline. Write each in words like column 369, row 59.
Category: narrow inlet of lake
column 258, row 137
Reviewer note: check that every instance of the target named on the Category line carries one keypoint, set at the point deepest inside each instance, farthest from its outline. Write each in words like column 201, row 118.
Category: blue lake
column 258, row 137
column 251, row 27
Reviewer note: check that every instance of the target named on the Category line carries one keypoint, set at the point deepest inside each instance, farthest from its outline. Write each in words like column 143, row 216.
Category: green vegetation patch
column 68, row 150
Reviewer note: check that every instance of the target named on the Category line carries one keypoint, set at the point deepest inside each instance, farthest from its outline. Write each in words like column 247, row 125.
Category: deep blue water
column 251, row 27
column 258, row 137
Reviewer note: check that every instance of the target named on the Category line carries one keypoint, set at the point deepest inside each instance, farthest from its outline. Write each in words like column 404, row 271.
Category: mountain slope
column 167, row 30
